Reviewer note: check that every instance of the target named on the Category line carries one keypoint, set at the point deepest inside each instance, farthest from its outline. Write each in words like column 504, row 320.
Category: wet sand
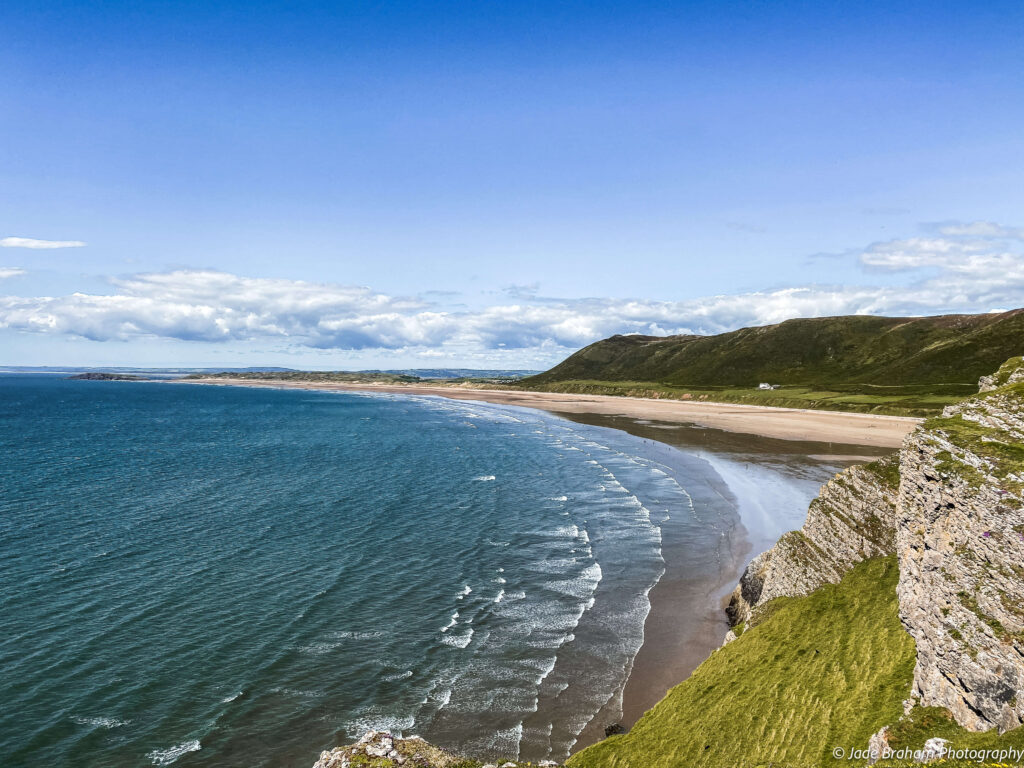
column 785, row 476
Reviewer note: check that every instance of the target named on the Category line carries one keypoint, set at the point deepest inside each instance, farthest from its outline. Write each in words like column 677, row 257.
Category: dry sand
column 782, row 423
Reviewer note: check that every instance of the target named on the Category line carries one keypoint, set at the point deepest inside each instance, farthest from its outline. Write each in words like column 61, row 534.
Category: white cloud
column 30, row 242
column 969, row 272
column 981, row 229
column 6, row 272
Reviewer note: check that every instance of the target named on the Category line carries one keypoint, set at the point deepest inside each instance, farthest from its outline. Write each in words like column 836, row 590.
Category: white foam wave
column 465, row 591
column 377, row 721
column 100, row 722
column 398, row 676
column 500, row 597
column 229, row 699
column 483, row 478
column 318, row 648
column 451, row 623
column 458, row 641
column 349, row 635
column 169, row 755
column 507, row 742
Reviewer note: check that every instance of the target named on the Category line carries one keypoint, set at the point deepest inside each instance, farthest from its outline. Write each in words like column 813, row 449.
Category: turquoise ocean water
column 225, row 576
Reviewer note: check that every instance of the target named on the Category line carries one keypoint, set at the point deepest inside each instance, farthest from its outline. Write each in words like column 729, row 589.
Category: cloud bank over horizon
column 39, row 245
column 972, row 267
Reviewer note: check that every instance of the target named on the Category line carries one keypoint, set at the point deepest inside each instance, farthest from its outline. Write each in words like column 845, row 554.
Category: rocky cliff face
column 1010, row 372
column 953, row 511
column 961, row 550
column 853, row 518
column 380, row 749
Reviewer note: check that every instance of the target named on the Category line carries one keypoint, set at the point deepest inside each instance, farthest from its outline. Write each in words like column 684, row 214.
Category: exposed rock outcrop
column 853, row 518
column 1010, row 372
column 961, row 549
column 380, row 749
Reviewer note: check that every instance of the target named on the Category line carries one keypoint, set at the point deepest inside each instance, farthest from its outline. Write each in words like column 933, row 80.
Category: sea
column 239, row 576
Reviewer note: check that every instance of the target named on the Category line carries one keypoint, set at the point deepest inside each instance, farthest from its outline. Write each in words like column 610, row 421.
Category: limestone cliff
column 961, row 551
column 852, row 519
column 1010, row 372
column 380, row 749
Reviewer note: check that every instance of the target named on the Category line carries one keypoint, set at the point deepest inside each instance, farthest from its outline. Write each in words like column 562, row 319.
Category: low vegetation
column 815, row 673
column 348, row 377
column 910, row 400
column 924, row 723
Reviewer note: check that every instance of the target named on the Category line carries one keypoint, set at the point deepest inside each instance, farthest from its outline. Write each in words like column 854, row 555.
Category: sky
column 481, row 184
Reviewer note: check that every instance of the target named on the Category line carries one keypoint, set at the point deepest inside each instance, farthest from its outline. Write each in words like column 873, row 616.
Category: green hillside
column 819, row 672
column 861, row 363
column 814, row 674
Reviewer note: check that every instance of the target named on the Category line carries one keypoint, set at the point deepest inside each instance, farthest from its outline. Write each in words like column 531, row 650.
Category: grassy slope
column 897, row 365
column 928, row 722
column 818, row 672
column 814, row 673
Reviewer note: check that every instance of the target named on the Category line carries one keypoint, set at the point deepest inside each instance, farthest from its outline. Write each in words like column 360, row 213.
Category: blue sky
column 345, row 185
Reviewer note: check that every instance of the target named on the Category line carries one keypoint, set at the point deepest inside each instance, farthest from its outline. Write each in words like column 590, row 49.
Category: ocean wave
column 318, row 648
column 231, row 698
column 356, row 635
column 398, row 676
column 507, row 742
column 500, row 597
column 378, row 721
column 452, row 622
column 465, row 591
column 439, row 701
column 458, row 641
column 511, row 597
column 169, row 755
column 296, row 692
column 100, row 722
column 483, row 478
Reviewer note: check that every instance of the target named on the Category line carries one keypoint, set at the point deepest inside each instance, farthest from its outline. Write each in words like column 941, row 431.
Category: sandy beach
column 782, row 423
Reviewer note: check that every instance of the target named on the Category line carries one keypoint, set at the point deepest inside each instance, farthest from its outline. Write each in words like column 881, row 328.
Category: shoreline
column 784, row 476
column 677, row 638
column 867, row 429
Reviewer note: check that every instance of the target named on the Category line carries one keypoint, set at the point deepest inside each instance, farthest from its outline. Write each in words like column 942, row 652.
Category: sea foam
column 169, row 755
